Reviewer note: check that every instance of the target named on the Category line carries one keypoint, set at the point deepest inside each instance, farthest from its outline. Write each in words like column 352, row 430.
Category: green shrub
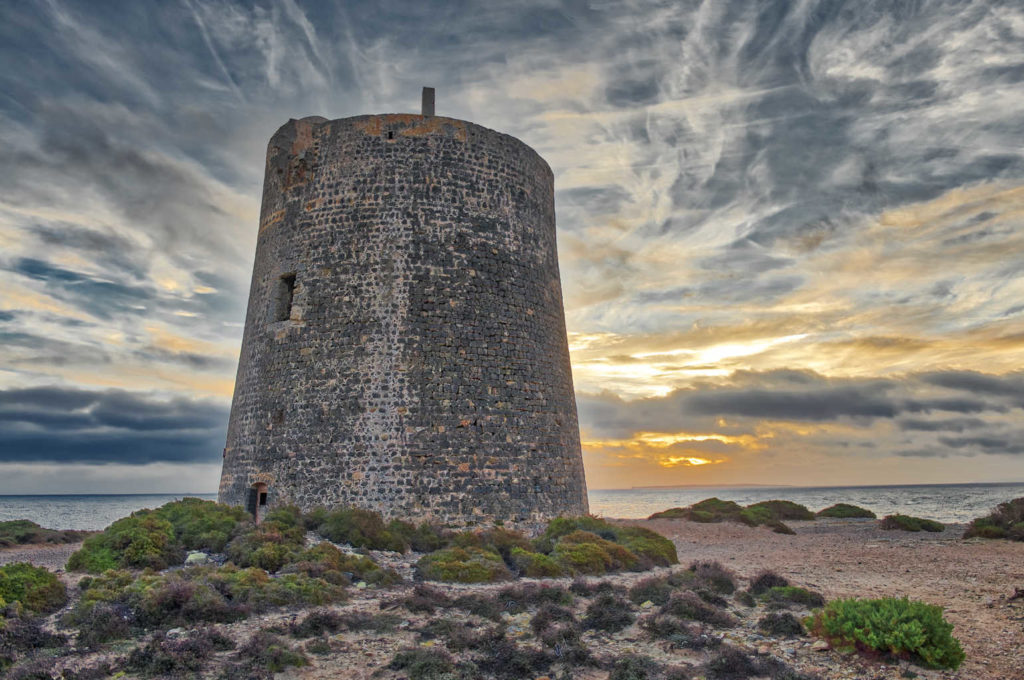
column 653, row 549
column 907, row 523
column 672, row 513
column 24, row 532
column 782, row 510
column 535, row 565
column 141, row 540
column 270, row 545
column 563, row 526
column 782, row 596
column 1006, row 521
column 317, row 623
column 582, row 552
column 362, row 529
column 903, row 628
column 37, row 589
column 846, row 511
column 426, row 537
column 203, row 525
column 22, row 636
column 717, row 508
column 197, row 594
column 330, row 564
column 463, row 565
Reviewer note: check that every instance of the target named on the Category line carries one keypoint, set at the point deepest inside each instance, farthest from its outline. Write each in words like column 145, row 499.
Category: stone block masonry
column 405, row 346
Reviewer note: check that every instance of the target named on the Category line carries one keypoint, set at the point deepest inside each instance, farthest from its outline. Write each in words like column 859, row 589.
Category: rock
column 361, row 585
column 196, row 559
column 647, row 605
column 176, row 633
column 763, row 650
column 820, row 646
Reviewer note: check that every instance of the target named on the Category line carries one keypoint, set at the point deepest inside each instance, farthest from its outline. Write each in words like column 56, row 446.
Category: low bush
column 783, row 510
column 717, row 510
column 316, row 623
column 156, row 539
column 163, row 656
column 765, row 580
column 535, row 565
column 364, row 529
column 1006, row 521
column 784, row 596
column 263, row 655
column 780, row 623
column 197, row 594
column 21, row 636
column 424, row 664
column 689, row 606
column 586, row 587
column 520, row 597
column 504, row 660
column 908, row 523
column 379, row 623
column 654, row 589
column 713, row 575
column 637, row 667
column 671, row 513
column 330, row 564
column 424, row 599
column 484, row 606
column 902, row 628
column 608, row 612
column 25, row 532
column 459, row 636
column 642, row 547
column 103, row 622
column 584, row 552
column 270, row 545
column 463, row 565
column 731, row 663
column 846, row 511
column 37, row 589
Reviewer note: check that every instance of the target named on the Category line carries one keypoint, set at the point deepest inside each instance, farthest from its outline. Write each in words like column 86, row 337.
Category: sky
column 791, row 234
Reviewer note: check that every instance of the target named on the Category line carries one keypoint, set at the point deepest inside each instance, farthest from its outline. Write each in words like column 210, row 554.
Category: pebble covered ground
column 972, row 579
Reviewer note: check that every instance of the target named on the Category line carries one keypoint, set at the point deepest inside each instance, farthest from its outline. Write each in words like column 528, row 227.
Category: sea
column 947, row 503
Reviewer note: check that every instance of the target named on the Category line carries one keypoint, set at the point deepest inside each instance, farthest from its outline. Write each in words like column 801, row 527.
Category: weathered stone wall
column 423, row 367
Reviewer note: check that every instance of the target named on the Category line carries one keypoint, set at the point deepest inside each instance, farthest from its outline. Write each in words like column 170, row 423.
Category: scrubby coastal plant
column 846, row 511
column 780, row 623
column 908, row 523
column 569, row 546
column 1006, row 521
column 783, row 510
column 463, row 565
column 36, row 589
column 25, row 532
column 713, row 575
column 779, row 597
column 902, row 628
column 608, row 612
column 264, row 653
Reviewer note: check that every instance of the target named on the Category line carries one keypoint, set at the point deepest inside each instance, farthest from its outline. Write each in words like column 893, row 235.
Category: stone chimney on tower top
column 428, row 101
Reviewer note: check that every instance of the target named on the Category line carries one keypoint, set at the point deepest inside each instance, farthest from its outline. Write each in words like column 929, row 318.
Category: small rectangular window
column 263, row 498
column 282, row 305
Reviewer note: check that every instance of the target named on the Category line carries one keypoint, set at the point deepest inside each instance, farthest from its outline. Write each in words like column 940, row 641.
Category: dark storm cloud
column 949, row 425
column 75, row 425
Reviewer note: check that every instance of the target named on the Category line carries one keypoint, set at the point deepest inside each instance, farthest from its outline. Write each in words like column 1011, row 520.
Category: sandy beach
column 973, row 580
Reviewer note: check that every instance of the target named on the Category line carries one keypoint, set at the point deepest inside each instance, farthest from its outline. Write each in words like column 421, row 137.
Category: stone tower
column 405, row 346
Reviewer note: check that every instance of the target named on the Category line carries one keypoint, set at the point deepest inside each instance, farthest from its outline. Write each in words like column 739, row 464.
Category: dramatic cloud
column 790, row 232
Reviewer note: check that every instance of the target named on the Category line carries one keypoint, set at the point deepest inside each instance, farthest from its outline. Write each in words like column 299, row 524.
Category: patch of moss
column 908, row 523
column 463, row 565
column 846, row 511
column 37, row 589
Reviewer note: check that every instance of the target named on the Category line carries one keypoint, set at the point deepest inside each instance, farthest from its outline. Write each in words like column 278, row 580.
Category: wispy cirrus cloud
column 824, row 196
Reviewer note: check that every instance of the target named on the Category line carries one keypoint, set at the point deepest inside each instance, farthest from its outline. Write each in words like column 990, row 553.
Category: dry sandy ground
column 972, row 579
column 840, row 558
